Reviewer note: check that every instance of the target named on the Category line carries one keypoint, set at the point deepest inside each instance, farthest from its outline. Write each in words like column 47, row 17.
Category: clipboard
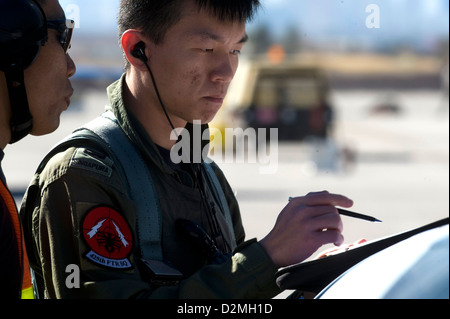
column 314, row 276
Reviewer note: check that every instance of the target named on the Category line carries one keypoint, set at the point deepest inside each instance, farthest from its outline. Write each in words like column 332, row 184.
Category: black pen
column 348, row 213
column 357, row 215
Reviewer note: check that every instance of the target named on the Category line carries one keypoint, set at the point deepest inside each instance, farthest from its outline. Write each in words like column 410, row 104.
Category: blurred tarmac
column 399, row 172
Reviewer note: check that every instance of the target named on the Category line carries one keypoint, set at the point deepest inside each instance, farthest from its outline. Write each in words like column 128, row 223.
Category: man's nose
column 225, row 69
column 71, row 68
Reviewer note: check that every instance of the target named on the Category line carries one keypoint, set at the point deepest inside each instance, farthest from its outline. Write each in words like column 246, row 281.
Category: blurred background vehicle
column 290, row 97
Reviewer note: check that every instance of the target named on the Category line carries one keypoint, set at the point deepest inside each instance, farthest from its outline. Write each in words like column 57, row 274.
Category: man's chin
column 44, row 131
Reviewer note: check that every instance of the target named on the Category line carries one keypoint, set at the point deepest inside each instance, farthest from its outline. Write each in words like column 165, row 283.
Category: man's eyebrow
column 244, row 38
column 207, row 35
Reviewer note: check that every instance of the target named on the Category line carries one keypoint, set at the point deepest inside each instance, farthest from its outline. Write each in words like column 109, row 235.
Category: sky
column 417, row 22
column 420, row 22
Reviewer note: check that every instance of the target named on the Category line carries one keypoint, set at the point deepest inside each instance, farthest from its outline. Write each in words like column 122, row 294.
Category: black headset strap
column 21, row 119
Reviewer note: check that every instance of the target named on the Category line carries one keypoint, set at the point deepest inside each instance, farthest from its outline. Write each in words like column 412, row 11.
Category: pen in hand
column 348, row 213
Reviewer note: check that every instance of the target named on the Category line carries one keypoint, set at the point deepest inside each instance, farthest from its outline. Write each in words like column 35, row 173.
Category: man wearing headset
column 181, row 57
column 34, row 90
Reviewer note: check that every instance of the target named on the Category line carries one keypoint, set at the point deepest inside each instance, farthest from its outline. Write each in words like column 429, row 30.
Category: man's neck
column 5, row 131
column 146, row 108
column 4, row 137
column 5, row 113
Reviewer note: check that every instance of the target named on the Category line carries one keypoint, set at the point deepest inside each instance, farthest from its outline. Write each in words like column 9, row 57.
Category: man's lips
column 215, row 99
column 67, row 98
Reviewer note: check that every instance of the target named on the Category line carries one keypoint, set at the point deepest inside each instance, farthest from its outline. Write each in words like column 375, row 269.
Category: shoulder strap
column 140, row 183
column 220, row 195
column 106, row 133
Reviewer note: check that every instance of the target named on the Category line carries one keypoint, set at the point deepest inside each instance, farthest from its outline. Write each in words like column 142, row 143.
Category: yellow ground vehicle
column 288, row 96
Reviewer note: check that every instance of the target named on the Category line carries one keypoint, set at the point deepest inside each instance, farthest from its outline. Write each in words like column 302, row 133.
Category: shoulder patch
column 109, row 237
column 91, row 160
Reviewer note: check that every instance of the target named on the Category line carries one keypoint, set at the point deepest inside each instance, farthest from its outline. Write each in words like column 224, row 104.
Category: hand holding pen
column 305, row 224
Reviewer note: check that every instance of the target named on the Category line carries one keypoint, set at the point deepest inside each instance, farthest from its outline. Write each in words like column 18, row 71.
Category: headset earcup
column 23, row 30
column 30, row 56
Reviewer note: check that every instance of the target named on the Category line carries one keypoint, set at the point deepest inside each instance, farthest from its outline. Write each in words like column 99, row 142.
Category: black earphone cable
column 160, row 99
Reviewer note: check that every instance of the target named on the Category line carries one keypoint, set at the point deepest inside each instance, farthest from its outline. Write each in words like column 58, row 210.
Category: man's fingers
column 329, row 220
column 330, row 236
column 323, row 198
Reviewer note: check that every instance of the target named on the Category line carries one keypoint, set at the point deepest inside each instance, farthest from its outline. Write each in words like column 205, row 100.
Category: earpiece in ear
column 139, row 52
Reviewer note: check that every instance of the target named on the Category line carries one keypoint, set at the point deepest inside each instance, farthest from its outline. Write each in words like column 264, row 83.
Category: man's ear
column 129, row 41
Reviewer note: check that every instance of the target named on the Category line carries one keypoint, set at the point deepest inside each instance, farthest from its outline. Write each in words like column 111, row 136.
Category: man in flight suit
column 181, row 56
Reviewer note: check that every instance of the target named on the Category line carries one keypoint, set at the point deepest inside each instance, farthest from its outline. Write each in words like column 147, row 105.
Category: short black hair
column 155, row 17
